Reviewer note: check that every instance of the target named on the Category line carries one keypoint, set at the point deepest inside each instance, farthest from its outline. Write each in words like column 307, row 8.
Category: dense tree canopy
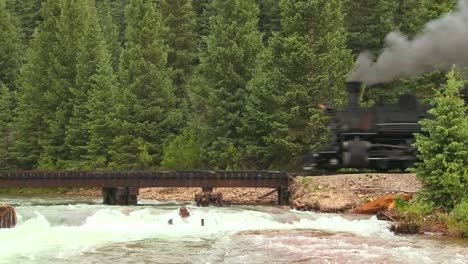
column 185, row 84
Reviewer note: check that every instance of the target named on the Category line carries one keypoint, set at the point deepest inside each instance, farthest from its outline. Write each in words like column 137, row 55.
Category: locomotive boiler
column 379, row 137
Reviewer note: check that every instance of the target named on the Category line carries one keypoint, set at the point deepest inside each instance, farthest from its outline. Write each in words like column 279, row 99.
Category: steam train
column 379, row 137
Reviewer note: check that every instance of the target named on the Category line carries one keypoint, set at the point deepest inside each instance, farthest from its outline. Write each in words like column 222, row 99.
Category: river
column 81, row 230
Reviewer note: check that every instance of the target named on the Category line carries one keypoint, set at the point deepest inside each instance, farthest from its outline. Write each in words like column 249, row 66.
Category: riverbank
column 342, row 193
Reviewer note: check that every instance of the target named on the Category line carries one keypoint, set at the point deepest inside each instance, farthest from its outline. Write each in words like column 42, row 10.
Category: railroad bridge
column 121, row 187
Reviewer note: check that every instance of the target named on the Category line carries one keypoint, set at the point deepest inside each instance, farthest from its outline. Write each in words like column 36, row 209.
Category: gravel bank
column 340, row 193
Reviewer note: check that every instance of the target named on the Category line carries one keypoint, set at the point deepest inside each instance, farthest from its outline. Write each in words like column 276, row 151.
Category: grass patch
column 457, row 222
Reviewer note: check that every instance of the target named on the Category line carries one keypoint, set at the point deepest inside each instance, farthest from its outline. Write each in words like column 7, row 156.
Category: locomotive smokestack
column 354, row 91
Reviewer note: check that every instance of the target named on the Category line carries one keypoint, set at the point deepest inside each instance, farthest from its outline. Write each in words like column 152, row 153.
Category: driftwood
column 7, row 216
column 383, row 203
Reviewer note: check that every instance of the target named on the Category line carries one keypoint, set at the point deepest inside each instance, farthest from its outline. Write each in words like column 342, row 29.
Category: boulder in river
column 7, row 216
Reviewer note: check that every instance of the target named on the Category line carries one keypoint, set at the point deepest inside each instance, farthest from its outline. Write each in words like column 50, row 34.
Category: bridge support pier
column 283, row 195
column 207, row 189
column 120, row 195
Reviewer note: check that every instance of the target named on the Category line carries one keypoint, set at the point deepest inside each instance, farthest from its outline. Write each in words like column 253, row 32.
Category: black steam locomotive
column 378, row 137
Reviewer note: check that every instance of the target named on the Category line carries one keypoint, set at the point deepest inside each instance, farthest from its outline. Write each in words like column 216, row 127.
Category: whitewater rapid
column 48, row 233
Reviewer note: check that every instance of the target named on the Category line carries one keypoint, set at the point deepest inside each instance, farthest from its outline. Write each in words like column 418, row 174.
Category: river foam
column 56, row 233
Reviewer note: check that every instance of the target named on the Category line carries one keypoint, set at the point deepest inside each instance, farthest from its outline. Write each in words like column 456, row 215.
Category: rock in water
column 406, row 228
column 7, row 216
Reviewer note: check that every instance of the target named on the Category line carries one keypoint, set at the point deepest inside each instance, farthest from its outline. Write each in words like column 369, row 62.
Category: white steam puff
column 442, row 43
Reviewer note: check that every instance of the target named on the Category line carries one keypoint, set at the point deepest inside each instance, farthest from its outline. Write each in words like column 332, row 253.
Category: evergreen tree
column 218, row 95
column 110, row 31
column 435, row 8
column 443, row 148
column 100, row 119
column 10, row 47
column 27, row 13
column 269, row 21
column 203, row 12
column 409, row 16
column 53, row 84
column 145, row 107
column 7, row 105
column 179, row 17
column 305, row 65
column 90, row 53
column 368, row 22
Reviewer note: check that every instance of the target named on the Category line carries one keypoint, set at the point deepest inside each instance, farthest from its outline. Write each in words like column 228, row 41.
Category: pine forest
column 187, row 84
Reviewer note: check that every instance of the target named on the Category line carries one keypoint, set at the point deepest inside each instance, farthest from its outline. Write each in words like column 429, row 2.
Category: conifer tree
column 100, row 111
column 443, row 148
column 269, row 21
column 27, row 14
column 409, row 16
column 179, row 18
column 90, row 53
column 7, row 105
column 218, row 95
column 110, row 31
column 368, row 22
column 53, row 84
column 145, row 107
column 305, row 65
column 10, row 47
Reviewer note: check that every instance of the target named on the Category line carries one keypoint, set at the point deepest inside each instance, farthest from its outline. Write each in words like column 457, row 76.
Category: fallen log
column 7, row 216
column 384, row 203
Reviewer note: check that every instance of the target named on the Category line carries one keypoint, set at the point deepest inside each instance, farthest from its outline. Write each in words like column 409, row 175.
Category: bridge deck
column 258, row 179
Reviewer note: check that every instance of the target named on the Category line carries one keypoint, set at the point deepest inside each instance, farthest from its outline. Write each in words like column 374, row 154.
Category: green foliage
column 414, row 211
column 98, row 84
column 458, row 220
column 304, row 65
column 110, row 31
column 269, row 20
column 91, row 54
column 7, row 106
column 443, row 148
column 179, row 17
column 27, row 14
column 368, row 22
column 145, row 106
column 435, row 8
column 100, row 114
column 218, row 93
column 183, row 152
column 10, row 47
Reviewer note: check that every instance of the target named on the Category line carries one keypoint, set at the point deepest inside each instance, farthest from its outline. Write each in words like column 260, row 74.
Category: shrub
column 458, row 220
column 184, row 152
column 443, row 148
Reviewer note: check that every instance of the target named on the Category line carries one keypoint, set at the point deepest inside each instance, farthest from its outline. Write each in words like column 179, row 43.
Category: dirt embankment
column 341, row 193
